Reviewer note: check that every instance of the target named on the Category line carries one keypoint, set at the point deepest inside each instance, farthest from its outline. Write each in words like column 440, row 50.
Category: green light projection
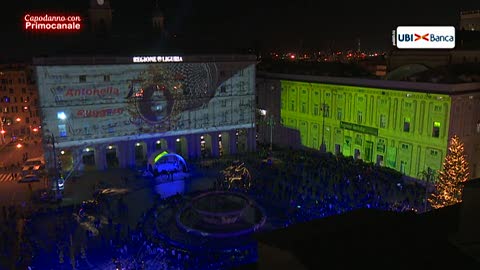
column 403, row 130
column 159, row 156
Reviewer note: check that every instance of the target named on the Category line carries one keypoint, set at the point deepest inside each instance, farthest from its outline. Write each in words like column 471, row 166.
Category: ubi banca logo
column 422, row 37
column 426, row 37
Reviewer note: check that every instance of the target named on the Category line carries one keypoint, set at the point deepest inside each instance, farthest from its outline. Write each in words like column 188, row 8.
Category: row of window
column 10, row 81
column 6, row 99
column 435, row 127
column 106, row 77
column 382, row 119
column 11, row 90
column 9, row 121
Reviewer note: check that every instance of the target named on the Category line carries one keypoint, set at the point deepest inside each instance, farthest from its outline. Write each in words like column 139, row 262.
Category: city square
column 154, row 135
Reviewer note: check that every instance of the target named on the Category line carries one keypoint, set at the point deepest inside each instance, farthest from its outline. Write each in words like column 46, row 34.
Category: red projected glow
column 55, row 23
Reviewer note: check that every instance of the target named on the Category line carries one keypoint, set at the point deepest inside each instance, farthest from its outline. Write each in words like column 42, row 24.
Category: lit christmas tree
column 449, row 187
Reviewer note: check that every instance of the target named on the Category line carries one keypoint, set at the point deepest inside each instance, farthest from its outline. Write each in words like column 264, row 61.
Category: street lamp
column 323, row 147
column 55, row 172
column 271, row 123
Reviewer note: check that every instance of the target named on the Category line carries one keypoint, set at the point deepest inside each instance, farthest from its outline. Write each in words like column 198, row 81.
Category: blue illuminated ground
column 139, row 230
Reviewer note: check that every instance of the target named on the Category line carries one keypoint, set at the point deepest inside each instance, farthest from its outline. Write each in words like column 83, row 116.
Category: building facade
column 470, row 20
column 402, row 125
column 118, row 112
column 18, row 104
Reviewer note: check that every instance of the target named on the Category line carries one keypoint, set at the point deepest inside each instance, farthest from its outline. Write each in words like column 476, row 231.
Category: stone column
column 100, row 157
column 232, row 141
column 215, row 148
column 150, row 147
column 126, row 154
column 193, row 146
column 77, row 158
column 171, row 141
column 251, row 141
column 122, row 155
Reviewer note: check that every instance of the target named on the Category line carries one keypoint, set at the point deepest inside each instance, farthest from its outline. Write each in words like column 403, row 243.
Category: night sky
column 268, row 24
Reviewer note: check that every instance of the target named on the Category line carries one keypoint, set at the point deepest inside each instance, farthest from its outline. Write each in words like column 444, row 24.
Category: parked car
column 33, row 166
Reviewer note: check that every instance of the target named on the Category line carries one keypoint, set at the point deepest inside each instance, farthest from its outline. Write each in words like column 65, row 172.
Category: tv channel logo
column 424, row 37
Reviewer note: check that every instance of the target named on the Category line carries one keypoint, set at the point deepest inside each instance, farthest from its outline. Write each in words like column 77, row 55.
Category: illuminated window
column 406, row 124
column 358, row 140
column 316, row 109
column 383, row 121
column 339, row 114
column 436, row 129
column 359, row 117
column 82, row 78
column 326, row 110
column 403, row 165
column 381, row 145
column 205, row 119
column 304, row 107
column 62, row 130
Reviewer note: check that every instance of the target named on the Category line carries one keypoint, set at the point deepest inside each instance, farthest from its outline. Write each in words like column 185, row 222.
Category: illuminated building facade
column 401, row 125
column 18, row 103
column 118, row 112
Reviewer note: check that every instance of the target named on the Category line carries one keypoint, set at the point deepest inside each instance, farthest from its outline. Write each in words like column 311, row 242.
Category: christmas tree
column 449, row 187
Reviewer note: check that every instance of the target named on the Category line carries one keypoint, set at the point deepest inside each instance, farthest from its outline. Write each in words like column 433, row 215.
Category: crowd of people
column 312, row 185
column 307, row 184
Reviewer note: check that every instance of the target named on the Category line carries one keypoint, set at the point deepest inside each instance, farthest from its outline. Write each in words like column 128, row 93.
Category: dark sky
column 267, row 24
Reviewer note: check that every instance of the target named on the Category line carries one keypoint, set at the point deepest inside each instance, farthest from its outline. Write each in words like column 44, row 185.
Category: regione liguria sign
column 424, row 37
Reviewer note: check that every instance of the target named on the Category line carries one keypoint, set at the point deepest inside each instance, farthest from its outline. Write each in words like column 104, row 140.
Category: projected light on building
column 403, row 130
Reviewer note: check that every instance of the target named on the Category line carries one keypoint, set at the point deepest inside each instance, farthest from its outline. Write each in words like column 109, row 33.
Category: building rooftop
column 106, row 60
column 434, row 88
column 366, row 239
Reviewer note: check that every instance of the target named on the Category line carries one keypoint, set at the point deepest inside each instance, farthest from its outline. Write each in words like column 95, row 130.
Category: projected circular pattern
column 164, row 91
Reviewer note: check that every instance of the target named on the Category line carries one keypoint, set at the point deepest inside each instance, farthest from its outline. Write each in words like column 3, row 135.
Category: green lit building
column 401, row 125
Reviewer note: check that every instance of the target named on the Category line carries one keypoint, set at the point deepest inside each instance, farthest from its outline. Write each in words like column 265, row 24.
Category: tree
column 448, row 188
